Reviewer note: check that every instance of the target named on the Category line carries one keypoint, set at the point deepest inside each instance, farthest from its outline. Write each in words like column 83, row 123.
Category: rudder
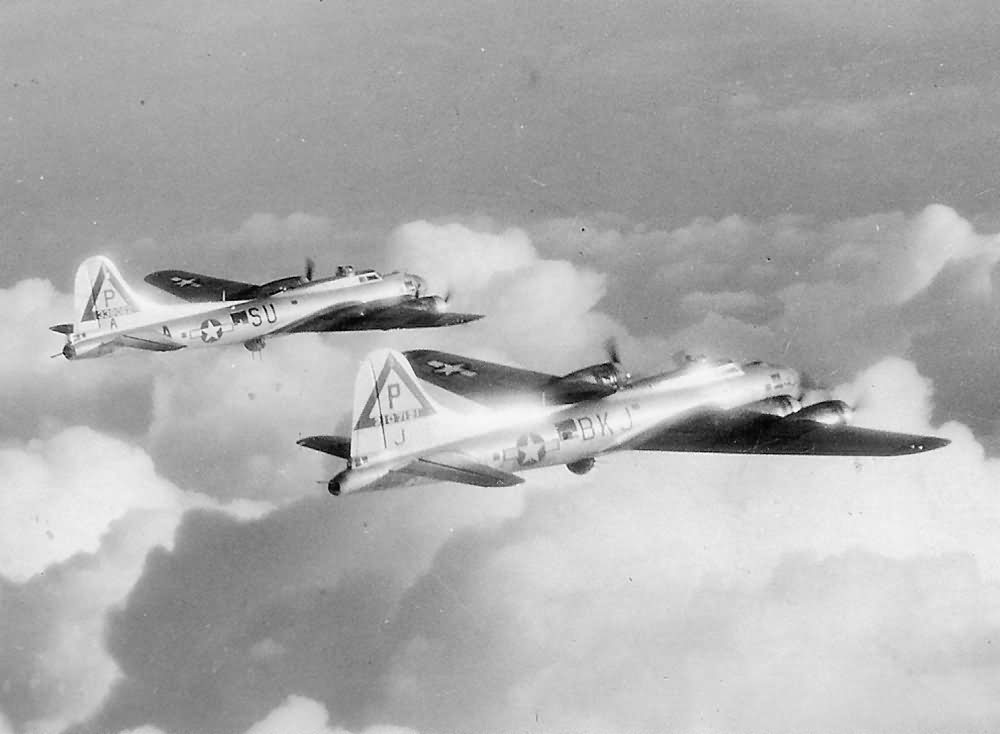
column 392, row 411
column 101, row 294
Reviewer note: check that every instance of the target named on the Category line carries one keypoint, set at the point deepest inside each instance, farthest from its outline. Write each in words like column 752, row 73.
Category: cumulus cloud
column 679, row 586
column 299, row 601
column 830, row 298
column 40, row 389
column 537, row 308
column 299, row 386
column 658, row 580
column 301, row 714
column 63, row 493
column 81, row 512
column 266, row 229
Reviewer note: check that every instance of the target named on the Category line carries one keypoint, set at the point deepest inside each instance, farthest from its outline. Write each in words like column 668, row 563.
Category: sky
column 808, row 183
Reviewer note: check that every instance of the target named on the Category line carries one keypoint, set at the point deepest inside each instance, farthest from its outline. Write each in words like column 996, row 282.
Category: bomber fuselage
column 245, row 322
column 517, row 439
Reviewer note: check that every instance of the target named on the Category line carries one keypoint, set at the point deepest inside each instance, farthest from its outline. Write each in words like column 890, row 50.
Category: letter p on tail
column 392, row 411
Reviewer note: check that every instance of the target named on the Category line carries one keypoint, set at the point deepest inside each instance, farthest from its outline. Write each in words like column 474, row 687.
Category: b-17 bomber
column 111, row 316
column 486, row 422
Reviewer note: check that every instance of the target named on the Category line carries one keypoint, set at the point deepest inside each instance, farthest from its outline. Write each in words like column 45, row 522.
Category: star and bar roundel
column 211, row 330
column 530, row 449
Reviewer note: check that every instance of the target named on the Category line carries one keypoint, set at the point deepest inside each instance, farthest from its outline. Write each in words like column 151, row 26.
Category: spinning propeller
column 614, row 358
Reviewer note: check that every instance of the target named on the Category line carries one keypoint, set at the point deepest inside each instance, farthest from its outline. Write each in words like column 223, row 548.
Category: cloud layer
column 679, row 586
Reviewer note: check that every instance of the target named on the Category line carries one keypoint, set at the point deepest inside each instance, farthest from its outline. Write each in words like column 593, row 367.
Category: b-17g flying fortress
column 111, row 316
column 500, row 420
column 490, row 421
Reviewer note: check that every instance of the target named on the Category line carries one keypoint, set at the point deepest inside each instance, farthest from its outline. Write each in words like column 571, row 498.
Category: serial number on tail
column 403, row 416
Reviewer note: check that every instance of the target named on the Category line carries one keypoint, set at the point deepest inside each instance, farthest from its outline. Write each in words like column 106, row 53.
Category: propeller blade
column 611, row 347
column 310, row 267
column 808, row 382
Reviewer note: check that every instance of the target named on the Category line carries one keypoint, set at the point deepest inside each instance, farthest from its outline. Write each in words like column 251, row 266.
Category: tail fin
column 101, row 294
column 392, row 411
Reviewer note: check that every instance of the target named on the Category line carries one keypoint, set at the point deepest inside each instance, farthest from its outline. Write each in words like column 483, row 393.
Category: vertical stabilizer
column 392, row 411
column 101, row 295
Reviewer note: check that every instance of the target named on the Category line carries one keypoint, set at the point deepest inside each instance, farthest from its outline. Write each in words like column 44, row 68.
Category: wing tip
column 923, row 444
column 455, row 319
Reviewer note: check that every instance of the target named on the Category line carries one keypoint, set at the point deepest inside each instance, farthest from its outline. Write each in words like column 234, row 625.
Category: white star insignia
column 443, row 368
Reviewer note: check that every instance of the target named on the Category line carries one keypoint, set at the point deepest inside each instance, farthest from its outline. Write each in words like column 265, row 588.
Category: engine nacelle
column 608, row 374
column 279, row 286
column 351, row 480
column 432, row 304
column 830, row 412
column 779, row 406
column 581, row 466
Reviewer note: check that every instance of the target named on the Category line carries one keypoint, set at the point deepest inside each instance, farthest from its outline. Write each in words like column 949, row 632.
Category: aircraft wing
column 476, row 379
column 490, row 383
column 414, row 315
column 745, row 432
column 454, row 466
column 359, row 316
column 199, row 288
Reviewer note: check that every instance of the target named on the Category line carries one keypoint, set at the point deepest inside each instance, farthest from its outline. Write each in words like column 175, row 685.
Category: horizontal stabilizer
column 452, row 466
column 62, row 328
column 335, row 445
column 164, row 344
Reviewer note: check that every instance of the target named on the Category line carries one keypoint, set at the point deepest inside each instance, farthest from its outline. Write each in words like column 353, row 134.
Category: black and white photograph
column 587, row 367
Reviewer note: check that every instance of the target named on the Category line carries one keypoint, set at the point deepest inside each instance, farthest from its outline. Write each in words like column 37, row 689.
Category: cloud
column 296, row 714
column 678, row 585
column 63, row 493
column 54, row 665
column 301, row 714
column 297, row 387
column 744, row 305
column 830, row 298
column 79, row 512
column 40, row 389
column 268, row 230
column 53, row 662
column 299, row 601
column 656, row 579
column 536, row 308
